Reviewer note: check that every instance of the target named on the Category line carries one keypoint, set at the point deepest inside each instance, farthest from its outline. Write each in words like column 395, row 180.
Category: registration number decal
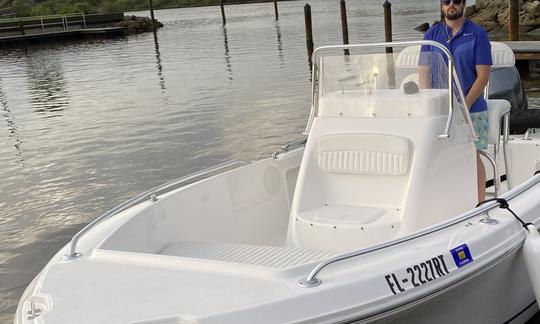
column 417, row 275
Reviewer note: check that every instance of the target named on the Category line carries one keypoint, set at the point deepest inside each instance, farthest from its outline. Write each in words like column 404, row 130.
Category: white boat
column 371, row 219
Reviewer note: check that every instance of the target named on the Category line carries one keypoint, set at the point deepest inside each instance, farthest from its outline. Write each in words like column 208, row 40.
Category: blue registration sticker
column 462, row 255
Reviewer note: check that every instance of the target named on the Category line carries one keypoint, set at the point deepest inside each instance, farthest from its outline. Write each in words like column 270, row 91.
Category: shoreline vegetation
column 490, row 14
column 27, row 8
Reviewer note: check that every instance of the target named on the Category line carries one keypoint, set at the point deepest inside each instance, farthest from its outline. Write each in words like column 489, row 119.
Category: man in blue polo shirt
column 471, row 50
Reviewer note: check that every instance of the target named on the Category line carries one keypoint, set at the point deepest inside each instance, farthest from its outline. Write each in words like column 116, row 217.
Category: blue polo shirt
column 469, row 47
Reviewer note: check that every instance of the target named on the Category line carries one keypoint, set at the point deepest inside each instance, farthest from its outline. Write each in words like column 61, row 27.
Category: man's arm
column 424, row 76
column 482, row 78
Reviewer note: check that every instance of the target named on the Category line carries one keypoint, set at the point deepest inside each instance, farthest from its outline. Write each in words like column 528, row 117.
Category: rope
column 503, row 204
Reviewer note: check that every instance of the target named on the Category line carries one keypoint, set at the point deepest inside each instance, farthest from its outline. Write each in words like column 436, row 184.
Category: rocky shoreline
column 493, row 16
column 136, row 25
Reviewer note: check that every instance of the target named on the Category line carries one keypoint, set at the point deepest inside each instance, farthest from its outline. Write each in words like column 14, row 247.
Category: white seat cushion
column 364, row 153
column 496, row 109
column 408, row 58
column 502, row 54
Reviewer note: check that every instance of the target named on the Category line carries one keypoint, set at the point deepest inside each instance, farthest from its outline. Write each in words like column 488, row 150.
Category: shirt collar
column 448, row 30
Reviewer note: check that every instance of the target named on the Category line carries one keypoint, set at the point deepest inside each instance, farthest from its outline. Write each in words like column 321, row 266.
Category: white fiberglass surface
column 243, row 213
column 409, row 83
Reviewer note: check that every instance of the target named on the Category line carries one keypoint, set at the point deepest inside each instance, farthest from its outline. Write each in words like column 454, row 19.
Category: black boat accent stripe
column 491, row 183
column 537, row 172
column 522, row 311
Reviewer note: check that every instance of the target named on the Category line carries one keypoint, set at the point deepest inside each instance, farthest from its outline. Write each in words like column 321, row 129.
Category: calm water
column 87, row 125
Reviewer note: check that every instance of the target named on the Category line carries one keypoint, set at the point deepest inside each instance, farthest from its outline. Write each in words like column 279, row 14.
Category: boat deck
column 266, row 256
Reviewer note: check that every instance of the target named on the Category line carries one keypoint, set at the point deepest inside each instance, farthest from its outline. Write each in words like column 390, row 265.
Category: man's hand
column 482, row 78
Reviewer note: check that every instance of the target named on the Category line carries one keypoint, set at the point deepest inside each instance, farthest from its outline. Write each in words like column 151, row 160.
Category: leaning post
column 344, row 25
column 276, row 9
column 223, row 12
column 309, row 31
column 513, row 21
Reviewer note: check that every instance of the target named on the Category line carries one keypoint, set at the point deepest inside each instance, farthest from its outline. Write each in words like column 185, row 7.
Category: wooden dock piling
column 388, row 24
column 222, row 12
column 276, row 9
column 309, row 31
column 151, row 6
column 390, row 66
column 344, row 25
column 513, row 21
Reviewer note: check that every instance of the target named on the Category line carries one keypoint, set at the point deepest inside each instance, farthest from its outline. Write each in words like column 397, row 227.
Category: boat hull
column 501, row 293
column 184, row 289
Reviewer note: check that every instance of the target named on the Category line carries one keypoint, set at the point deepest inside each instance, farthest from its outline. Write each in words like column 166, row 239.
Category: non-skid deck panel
column 266, row 256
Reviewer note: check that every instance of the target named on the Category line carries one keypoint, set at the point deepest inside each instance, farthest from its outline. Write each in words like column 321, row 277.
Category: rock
column 422, row 28
column 469, row 11
column 493, row 14
column 481, row 4
column 533, row 9
column 137, row 25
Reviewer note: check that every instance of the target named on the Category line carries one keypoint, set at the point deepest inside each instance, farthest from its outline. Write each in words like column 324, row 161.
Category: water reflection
column 279, row 43
column 12, row 128
column 227, row 54
column 46, row 83
column 158, row 63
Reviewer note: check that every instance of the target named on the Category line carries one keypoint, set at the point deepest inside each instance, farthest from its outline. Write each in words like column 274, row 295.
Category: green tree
column 41, row 9
column 22, row 8
column 82, row 7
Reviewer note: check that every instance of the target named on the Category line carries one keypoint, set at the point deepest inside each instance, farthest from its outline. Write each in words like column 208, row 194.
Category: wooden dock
column 525, row 50
column 27, row 30
column 88, row 33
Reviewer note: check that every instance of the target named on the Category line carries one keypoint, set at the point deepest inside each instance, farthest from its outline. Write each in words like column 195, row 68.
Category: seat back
column 496, row 108
column 502, row 55
column 364, row 153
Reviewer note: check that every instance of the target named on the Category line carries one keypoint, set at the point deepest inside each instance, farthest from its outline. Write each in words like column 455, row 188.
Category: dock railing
column 62, row 22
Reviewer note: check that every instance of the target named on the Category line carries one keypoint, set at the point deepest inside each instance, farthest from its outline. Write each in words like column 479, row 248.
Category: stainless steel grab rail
column 290, row 146
column 313, row 281
column 149, row 194
column 452, row 76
